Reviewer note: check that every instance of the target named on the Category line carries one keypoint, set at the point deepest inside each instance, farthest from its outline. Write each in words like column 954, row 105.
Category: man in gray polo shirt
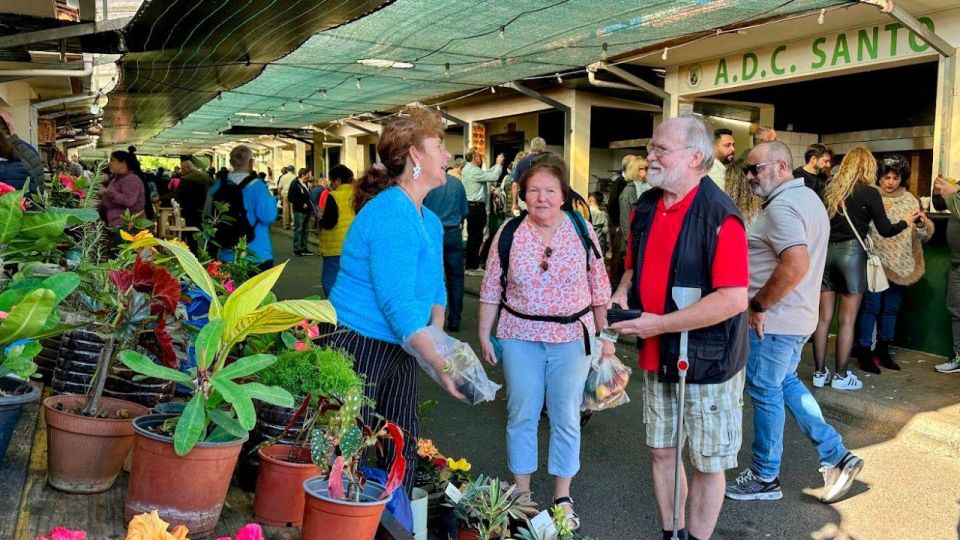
column 788, row 246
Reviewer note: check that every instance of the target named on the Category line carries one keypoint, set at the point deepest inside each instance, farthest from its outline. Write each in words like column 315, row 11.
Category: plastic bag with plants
column 606, row 385
column 462, row 365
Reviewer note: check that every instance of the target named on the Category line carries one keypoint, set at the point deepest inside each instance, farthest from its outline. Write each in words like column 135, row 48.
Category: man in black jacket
column 298, row 195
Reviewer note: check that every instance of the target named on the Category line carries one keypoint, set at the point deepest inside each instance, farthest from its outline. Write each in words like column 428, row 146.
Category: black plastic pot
column 271, row 420
column 47, row 359
column 80, row 351
column 10, row 408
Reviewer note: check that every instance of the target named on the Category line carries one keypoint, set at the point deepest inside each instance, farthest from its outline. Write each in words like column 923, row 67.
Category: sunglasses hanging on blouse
column 545, row 261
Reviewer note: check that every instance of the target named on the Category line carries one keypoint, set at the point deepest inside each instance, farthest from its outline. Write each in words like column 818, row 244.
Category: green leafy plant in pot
column 28, row 309
column 486, row 507
column 323, row 378
column 183, row 463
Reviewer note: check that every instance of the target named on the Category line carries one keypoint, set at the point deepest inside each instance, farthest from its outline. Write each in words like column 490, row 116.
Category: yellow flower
column 426, row 449
column 151, row 527
column 136, row 238
column 459, row 465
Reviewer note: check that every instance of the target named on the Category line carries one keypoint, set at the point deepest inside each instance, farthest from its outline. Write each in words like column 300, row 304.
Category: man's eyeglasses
column 755, row 169
column 660, row 151
column 545, row 261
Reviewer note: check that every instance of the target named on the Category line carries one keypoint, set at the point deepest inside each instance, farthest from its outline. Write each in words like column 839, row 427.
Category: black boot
column 865, row 359
column 882, row 355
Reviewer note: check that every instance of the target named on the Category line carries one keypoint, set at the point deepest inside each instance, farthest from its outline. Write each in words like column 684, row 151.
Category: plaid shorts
column 712, row 420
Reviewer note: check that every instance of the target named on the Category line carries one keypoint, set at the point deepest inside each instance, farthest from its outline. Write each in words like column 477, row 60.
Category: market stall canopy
column 409, row 50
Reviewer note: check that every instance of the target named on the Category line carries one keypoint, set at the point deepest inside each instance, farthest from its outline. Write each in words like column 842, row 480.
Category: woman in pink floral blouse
column 552, row 276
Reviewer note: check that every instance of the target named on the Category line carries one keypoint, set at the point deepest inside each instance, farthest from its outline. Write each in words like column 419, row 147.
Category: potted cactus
column 486, row 507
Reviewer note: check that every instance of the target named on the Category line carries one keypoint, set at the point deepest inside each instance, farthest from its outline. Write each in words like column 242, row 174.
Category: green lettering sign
column 722, row 73
column 753, row 68
column 841, row 49
column 893, row 28
column 821, row 56
column 863, row 42
column 916, row 44
column 777, row 70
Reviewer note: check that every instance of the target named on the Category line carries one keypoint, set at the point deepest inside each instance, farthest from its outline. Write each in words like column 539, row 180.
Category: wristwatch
column 755, row 306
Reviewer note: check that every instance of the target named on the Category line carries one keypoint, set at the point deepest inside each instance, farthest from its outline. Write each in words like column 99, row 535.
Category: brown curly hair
column 415, row 125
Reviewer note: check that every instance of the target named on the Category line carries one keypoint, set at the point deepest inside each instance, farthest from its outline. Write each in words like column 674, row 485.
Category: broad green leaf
column 191, row 266
column 227, row 422
column 19, row 360
column 43, row 225
column 11, row 216
column 273, row 395
column 351, row 441
column 62, row 284
column 26, row 319
column 11, row 297
column 248, row 296
column 208, row 343
column 282, row 315
column 191, row 426
column 77, row 216
column 247, row 365
column 145, row 366
column 288, row 340
column 220, row 435
column 237, row 396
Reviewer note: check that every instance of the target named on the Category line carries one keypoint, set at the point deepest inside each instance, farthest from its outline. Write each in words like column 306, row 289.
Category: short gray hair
column 240, row 156
column 697, row 135
column 626, row 161
column 775, row 150
column 471, row 154
column 538, row 144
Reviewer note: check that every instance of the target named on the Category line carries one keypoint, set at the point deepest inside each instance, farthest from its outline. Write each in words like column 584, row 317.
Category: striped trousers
column 392, row 379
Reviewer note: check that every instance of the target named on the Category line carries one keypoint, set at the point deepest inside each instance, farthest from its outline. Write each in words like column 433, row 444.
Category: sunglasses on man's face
column 755, row 168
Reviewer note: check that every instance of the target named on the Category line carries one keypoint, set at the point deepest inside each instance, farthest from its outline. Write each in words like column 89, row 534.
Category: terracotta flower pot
column 187, row 490
column 10, row 408
column 280, row 497
column 85, row 454
column 271, row 421
column 471, row 534
column 331, row 519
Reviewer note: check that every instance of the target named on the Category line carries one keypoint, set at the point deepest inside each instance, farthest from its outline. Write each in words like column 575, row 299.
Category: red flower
column 440, row 463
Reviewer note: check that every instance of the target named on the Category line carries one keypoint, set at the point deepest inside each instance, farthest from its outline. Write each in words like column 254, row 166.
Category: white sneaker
column 950, row 366
column 850, row 382
column 821, row 378
column 837, row 480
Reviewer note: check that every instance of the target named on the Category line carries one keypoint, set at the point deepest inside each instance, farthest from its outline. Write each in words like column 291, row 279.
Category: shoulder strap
column 581, row 225
column 843, row 208
column 248, row 180
column 503, row 249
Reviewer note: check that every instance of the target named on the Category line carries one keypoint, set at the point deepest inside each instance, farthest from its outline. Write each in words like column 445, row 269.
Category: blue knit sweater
column 391, row 269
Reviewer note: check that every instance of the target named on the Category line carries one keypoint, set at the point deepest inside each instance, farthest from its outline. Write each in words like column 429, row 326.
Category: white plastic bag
column 606, row 385
column 463, row 365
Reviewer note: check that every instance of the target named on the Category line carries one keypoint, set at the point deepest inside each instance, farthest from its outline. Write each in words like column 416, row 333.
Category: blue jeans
column 534, row 370
column 879, row 307
column 331, row 267
column 301, row 230
column 453, row 270
column 772, row 382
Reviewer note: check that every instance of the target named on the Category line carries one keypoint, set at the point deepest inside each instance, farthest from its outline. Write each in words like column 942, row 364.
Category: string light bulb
column 603, row 53
column 271, row 119
column 219, row 96
column 446, row 69
column 503, row 31
column 283, row 106
column 493, row 89
column 823, row 12
column 664, row 55
column 301, row 104
column 559, row 79
column 358, row 83
column 323, row 93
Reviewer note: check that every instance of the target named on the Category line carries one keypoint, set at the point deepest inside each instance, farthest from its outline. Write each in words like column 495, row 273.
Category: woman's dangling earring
column 417, row 170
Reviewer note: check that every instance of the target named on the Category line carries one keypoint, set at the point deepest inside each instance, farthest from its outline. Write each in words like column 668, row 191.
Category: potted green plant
column 317, row 375
column 89, row 436
column 28, row 313
column 341, row 503
column 182, row 463
column 486, row 507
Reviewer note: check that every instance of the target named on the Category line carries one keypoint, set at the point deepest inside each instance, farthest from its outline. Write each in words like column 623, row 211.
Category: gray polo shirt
column 792, row 216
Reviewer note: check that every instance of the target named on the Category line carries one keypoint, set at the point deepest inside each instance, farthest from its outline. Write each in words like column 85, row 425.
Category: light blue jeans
column 533, row 371
column 772, row 382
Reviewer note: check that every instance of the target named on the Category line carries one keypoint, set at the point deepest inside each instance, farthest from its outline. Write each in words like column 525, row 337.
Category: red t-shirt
column 729, row 265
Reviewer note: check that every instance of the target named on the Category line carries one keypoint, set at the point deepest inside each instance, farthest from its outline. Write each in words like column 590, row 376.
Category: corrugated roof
column 454, row 45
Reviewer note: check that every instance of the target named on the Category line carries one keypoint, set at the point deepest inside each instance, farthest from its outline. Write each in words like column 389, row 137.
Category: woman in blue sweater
column 390, row 283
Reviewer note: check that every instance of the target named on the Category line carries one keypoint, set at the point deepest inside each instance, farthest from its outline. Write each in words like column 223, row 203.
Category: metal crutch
column 683, row 297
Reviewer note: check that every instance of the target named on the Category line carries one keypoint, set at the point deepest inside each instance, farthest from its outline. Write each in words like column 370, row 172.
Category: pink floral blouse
column 564, row 288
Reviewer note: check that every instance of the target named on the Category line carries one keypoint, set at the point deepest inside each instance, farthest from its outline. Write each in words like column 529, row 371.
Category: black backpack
column 503, row 249
column 234, row 224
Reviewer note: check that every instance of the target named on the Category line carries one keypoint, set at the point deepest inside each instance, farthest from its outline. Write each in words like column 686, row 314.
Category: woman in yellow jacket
column 338, row 214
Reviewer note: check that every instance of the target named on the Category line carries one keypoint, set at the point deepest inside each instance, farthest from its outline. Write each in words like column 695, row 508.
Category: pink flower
column 300, row 346
column 3, row 315
column 250, row 531
column 6, row 188
column 229, row 286
column 313, row 332
column 60, row 533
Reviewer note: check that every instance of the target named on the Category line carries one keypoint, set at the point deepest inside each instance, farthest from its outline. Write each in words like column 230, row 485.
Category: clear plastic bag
column 606, row 385
column 463, row 365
